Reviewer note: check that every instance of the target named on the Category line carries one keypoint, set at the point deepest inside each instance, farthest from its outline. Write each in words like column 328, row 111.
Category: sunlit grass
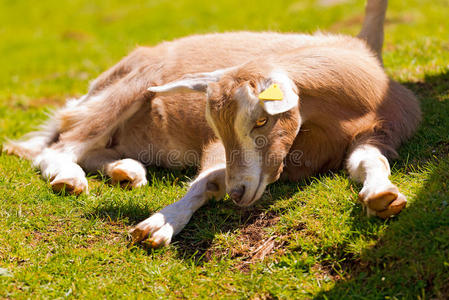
column 56, row 246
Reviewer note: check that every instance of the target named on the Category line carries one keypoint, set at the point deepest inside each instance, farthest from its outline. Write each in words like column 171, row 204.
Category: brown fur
column 345, row 99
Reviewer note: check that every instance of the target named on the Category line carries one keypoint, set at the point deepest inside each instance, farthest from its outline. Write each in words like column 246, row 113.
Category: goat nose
column 237, row 193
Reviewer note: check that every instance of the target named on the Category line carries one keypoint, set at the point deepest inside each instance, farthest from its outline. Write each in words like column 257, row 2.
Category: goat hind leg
column 88, row 126
column 380, row 197
column 373, row 25
column 60, row 169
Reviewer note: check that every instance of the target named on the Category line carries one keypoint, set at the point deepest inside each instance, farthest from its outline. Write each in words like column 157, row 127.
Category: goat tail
column 373, row 25
column 32, row 144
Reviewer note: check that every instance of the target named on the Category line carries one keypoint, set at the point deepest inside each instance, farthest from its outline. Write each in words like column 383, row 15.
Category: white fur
column 59, row 167
column 163, row 225
column 250, row 175
column 289, row 90
column 367, row 165
column 73, row 102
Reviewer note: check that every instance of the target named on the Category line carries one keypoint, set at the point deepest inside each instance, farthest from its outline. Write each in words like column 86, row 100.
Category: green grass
column 64, row 246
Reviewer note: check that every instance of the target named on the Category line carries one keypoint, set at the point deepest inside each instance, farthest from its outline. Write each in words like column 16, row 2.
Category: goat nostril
column 237, row 193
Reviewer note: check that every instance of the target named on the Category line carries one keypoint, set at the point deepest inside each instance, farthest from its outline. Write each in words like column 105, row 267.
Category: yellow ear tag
column 272, row 93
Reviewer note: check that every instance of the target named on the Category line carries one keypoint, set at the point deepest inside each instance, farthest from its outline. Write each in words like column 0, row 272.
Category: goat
column 198, row 97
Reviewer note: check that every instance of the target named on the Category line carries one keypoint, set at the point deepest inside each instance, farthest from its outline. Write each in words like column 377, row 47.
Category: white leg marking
column 380, row 197
column 162, row 226
column 61, row 170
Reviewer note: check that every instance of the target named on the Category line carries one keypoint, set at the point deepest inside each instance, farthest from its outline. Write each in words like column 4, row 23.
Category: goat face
column 256, row 142
column 256, row 134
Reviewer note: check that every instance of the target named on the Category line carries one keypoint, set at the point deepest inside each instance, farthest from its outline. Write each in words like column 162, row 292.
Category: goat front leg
column 210, row 183
column 128, row 172
column 380, row 197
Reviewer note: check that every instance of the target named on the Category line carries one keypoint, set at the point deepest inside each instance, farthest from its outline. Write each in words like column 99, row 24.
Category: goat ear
column 191, row 82
column 280, row 96
column 182, row 85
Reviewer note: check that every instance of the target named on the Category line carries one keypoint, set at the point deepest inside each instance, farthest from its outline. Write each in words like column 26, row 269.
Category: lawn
column 302, row 240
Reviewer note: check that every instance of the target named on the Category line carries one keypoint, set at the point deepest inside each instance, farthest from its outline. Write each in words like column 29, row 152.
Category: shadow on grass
column 412, row 258
column 218, row 217
column 129, row 207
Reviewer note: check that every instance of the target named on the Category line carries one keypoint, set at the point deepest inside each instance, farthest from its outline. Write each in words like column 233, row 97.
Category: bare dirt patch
column 248, row 244
column 253, row 243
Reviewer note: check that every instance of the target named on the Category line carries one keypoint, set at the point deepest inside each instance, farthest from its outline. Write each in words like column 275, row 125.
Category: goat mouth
column 257, row 193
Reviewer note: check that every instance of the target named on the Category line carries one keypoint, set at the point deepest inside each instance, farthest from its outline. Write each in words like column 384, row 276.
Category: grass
column 54, row 246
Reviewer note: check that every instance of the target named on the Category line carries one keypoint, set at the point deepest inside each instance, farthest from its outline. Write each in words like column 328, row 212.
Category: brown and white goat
column 337, row 106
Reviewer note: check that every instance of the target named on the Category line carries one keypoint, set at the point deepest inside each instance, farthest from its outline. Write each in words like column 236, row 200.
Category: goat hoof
column 73, row 186
column 129, row 173
column 385, row 203
column 394, row 208
column 153, row 232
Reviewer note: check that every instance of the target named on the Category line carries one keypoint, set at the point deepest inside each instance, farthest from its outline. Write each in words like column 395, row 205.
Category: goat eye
column 261, row 122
